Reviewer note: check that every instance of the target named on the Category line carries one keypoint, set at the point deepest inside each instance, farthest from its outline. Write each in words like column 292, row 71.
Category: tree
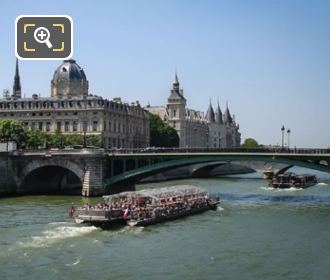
column 250, row 143
column 162, row 134
column 12, row 130
column 94, row 140
column 36, row 139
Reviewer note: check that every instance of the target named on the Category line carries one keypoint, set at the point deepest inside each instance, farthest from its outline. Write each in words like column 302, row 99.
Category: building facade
column 72, row 110
column 196, row 130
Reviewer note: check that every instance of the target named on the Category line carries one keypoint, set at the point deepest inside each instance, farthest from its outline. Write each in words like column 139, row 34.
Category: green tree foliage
column 162, row 134
column 36, row 139
column 94, row 140
column 250, row 143
column 12, row 130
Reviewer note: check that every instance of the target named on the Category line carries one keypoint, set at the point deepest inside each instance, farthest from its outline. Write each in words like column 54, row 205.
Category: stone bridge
column 97, row 172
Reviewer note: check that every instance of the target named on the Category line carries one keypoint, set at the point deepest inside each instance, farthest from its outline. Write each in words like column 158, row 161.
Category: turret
column 210, row 113
column 227, row 117
column 218, row 114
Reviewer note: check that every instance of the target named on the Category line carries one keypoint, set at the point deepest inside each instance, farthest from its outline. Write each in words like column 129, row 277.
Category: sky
column 269, row 59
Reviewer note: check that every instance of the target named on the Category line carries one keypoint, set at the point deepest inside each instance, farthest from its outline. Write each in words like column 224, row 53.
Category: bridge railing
column 221, row 150
column 50, row 152
column 273, row 150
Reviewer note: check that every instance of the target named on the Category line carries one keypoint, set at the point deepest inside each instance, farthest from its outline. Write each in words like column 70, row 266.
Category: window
column 66, row 126
column 104, row 126
column 58, row 126
column 174, row 113
column 94, row 125
column 47, row 126
column 40, row 126
column 75, row 126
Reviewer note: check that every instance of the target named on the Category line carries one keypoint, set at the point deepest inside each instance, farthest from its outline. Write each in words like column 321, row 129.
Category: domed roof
column 69, row 70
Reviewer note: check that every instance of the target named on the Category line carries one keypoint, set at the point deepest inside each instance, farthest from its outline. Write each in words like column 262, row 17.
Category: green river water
column 257, row 233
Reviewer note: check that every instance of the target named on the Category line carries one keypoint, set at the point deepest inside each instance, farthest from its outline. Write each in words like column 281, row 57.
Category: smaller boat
column 292, row 180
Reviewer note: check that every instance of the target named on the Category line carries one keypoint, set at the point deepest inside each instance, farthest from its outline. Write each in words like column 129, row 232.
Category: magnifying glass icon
column 41, row 35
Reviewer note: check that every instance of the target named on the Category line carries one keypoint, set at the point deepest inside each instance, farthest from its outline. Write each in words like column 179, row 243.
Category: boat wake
column 260, row 198
column 52, row 236
column 74, row 263
column 322, row 184
column 281, row 190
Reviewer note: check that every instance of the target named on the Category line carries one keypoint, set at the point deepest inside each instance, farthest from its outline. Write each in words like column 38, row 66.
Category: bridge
column 97, row 172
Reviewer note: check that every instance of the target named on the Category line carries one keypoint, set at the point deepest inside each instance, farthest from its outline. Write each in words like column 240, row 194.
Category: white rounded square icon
column 43, row 37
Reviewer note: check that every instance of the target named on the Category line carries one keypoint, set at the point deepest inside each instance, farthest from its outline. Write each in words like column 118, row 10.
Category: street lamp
column 288, row 132
column 283, row 129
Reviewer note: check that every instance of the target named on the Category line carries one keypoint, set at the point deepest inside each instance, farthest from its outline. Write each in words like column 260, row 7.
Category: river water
column 257, row 233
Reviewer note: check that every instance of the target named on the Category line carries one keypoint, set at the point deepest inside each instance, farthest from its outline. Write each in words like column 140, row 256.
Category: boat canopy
column 158, row 194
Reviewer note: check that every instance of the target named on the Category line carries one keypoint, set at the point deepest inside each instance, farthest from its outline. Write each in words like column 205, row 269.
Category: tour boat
column 146, row 207
column 292, row 180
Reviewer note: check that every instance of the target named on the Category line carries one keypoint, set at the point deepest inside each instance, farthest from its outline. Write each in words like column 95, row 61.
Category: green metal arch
column 139, row 173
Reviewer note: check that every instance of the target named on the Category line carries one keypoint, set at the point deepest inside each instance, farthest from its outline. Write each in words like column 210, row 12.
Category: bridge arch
column 137, row 174
column 51, row 176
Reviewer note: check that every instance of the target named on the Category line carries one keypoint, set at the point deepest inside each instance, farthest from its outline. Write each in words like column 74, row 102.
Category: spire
column 176, row 84
column 176, row 92
column 176, row 80
column 218, row 114
column 210, row 113
column 17, row 83
column 227, row 117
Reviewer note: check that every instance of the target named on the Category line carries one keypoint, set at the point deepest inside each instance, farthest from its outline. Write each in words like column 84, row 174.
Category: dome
column 69, row 69
column 69, row 80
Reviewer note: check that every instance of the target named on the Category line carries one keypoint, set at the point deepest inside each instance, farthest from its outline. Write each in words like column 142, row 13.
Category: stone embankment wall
column 7, row 175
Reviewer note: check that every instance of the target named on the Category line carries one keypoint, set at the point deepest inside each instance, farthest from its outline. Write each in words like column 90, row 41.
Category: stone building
column 72, row 110
column 214, row 130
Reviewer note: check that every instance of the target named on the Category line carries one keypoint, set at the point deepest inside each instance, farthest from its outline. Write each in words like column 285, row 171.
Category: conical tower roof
column 227, row 117
column 210, row 113
column 218, row 114
column 176, row 80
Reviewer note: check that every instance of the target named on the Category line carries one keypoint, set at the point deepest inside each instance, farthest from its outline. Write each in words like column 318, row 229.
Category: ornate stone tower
column 17, row 83
column 176, row 107
column 69, row 81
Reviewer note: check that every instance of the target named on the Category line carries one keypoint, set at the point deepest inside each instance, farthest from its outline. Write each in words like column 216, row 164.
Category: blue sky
column 269, row 59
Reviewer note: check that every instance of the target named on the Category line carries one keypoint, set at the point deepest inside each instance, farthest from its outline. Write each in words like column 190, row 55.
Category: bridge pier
column 92, row 184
